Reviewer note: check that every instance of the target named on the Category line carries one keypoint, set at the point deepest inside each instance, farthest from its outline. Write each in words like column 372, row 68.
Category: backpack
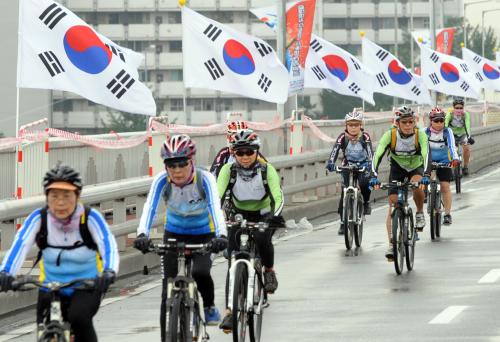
column 394, row 138
column 41, row 236
column 234, row 175
column 199, row 184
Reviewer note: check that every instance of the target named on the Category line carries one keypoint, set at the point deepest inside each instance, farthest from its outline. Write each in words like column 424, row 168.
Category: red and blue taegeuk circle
column 397, row 73
column 85, row 50
column 449, row 72
column 237, row 58
column 337, row 66
column 490, row 72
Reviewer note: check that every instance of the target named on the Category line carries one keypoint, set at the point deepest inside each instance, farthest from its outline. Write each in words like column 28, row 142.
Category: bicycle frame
column 352, row 187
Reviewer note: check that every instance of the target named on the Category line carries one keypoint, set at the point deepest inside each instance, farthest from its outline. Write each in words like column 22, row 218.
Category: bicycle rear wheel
column 179, row 321
column 240, row 314
column 398, row 249
column 348, row 218
column 255, row 319
column 432, row 212
column 458, row 179
column 411, row 240
column 358, row 231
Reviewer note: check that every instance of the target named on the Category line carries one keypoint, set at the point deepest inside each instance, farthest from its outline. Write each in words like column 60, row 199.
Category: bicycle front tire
column 239, row 313
column 358, row 232
column 254, row 319
column 410, row 242
column 397, row 240
column 432, row 212
column 349, row 225
column 179, row 325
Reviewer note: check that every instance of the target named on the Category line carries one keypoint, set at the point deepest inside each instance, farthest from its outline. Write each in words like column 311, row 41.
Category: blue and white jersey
column 63, row 265
column 188, row 211
column 442, row 146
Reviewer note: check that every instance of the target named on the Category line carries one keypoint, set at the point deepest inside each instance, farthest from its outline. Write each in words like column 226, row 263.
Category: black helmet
column 458, row 100
column 62, row 174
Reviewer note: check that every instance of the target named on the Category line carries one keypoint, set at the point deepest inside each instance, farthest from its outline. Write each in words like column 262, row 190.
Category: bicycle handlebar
column 353, row 168
column 395, row 184
column 174, row 246
column 440, row 166
column 21, row 281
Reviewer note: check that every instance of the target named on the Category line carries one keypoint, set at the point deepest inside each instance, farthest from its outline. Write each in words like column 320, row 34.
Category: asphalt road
column 326, row 294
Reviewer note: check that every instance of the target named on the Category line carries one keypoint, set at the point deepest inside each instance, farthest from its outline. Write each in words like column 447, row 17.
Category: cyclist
column 459, row 121
column 356, row 146
column 193, row 216
column 443, row 151
column 225, row 155
column 409, row 159
column 252, row 187
column 74, row 242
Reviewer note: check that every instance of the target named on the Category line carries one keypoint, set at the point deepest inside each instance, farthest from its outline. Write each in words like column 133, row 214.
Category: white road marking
column 491, row 277
column 448, row 314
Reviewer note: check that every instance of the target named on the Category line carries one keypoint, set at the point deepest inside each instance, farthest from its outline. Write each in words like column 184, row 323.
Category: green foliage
column 125, row 122
column 335, row 106
column 1, row 135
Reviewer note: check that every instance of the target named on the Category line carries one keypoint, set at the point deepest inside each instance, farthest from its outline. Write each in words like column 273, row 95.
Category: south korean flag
column 487, row 72
column 58, row 50
column 393, row 78
column 218, row 57
column 330, row 67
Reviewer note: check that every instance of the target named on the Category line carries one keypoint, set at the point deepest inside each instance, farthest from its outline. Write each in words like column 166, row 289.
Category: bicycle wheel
column 179, row 324
column 358, row 231
column 458, row 178
column 349, row 225
column 439, row 207
column 254, row 318
column 411, row 240
column 432, row 211
column 240, row 315
column 397, row 240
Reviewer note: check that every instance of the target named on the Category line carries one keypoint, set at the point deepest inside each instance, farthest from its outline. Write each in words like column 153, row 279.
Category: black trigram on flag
column 382, row 54
column 212, row 32
column 214, row 69
column 52, row 15
column 477, row 59
column 479, row 77
column 120, row 84
column 416, row 91
column 264, row 83
column 434, row 57
column 317, row 71
column 464, row 67
column 434, row 78
column 382, row 80
column 356, row 65
column 51, row 62
column 315, row 45
column 464, row 86
column 263, row 49
column 116, row 51
column 354, row 88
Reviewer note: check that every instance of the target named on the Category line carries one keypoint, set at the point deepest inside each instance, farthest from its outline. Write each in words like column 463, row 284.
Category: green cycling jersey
column 272, row 201
column 409, row 162
column 459, row 125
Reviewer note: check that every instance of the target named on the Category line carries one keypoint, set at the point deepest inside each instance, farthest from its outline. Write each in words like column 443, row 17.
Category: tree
column 335, row 106
column 125, row 122
column 1, row 135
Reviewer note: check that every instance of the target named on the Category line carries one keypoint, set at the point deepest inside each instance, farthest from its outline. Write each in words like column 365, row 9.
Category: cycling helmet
column 436, row 113
column 178, row 146
column 404, row 112
column 245, row 138
column 355, row 115
column 62, row 177
column 235, row 126
column 458, row 100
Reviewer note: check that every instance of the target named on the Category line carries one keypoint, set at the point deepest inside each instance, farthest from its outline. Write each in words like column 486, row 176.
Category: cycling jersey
column 406, row 154
column 222, row 158
column 460, row 125
column 188, row 211
column 64, row 265
column 359, row 151
column 442, row 145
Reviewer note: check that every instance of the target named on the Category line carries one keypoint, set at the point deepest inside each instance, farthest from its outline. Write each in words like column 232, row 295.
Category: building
column 154, row 27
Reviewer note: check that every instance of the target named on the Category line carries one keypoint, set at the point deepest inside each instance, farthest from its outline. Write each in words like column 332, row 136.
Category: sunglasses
column 459, row 107
column 409, row 122
column 438, row 120
column 241, row 153
column 179, row 164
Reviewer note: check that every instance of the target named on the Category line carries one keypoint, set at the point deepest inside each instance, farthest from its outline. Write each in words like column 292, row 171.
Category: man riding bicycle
column 409, row 159
column 75, row 242
column 443, row 151
column 252, row 187
column 356, row 146
column 459, row 121
column 193, row 216
column 225, row 155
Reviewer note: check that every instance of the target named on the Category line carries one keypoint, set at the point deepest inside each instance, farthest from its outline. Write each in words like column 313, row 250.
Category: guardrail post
column 120, row 216
column 319, row 168
column 139, row 207
column 299, row 176
column 7, row 233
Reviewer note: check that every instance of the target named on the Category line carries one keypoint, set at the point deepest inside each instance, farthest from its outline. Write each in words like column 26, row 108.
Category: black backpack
column 234, row 174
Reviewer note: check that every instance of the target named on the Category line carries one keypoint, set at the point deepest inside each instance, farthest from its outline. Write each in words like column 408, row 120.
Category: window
column 175, row 46
column 208, row 104
column 426, row 23
column 113, row 18
column 386, row 23
column 334, row 23
column 224, row 105
column 202, row 104
column 176, row 105
column 63, row 106
column 174, row 18
column 136, row 18
column 174, row 75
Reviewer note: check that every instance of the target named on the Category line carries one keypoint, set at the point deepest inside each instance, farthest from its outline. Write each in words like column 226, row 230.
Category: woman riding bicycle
column 75, row 243
column 251, row 187
column 356, row 146
column 443, row 151
column 459, row 121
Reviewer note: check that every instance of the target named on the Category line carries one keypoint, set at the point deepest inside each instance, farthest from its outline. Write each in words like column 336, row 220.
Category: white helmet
column 355, row 115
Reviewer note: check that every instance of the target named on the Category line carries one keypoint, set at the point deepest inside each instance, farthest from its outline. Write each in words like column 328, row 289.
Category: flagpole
column 432, row 34
column 16, row 177
column 281, row 47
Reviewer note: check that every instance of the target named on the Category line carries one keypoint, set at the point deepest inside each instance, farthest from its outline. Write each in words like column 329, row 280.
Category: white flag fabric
column 330, row 67
column 497, row 57
column 392, row 77
column 448, row 74
column 486, row 71
column 218, row 57
column 57, row 50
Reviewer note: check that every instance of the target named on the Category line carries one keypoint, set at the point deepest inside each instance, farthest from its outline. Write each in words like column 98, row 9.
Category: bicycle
column 54, row 328
column 434, row 202
column 404, row 233
column 246, row 295
column 353, row 209
column 185, row 319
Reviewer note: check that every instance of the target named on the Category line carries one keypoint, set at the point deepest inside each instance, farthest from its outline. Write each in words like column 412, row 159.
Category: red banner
column 444, row 40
